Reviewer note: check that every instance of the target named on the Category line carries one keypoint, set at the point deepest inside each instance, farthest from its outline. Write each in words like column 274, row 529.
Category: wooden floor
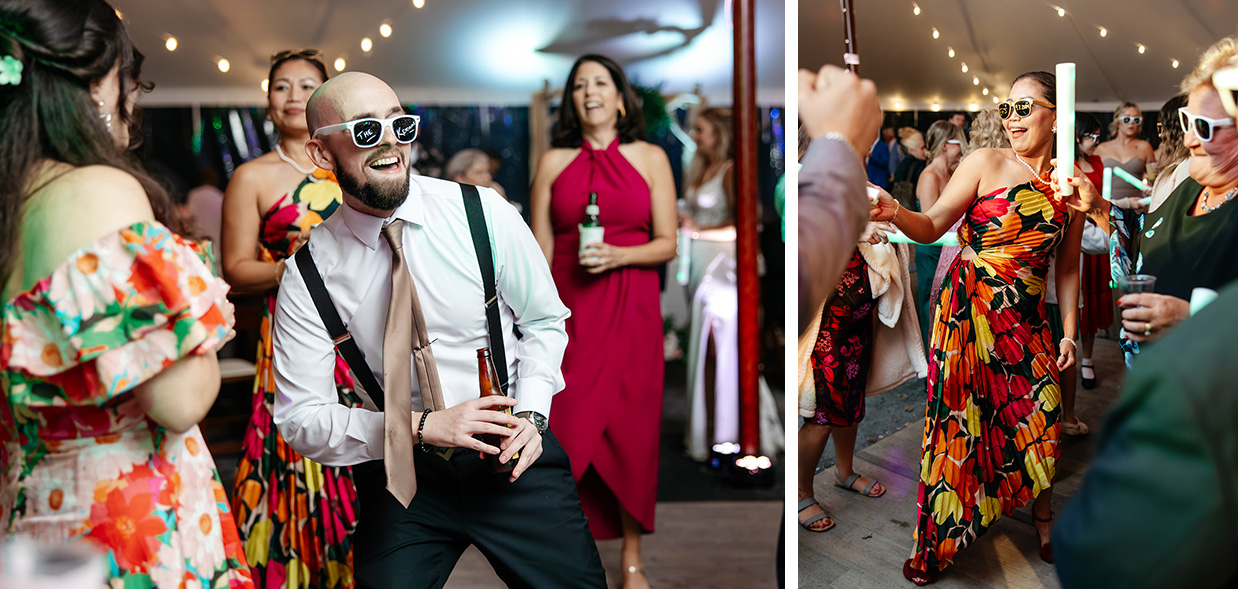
column 872, row 537
column 697, row 544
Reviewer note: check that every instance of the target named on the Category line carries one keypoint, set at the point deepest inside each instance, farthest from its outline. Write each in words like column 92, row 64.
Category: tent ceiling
column 449, row 51
column 999, row 39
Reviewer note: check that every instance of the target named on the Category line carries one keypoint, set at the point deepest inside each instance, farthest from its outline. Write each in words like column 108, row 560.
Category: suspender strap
column 485, row 259
column 344, row 342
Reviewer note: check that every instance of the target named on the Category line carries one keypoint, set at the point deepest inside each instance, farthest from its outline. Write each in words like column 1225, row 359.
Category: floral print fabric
column 296, row 516
column 844, row 348
column 991, row 429
column 79, row 460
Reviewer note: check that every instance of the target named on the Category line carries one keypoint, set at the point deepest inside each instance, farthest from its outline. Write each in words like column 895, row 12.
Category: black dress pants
column 533, row 531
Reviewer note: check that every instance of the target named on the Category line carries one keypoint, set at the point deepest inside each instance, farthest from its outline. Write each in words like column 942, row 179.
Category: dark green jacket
column 1159, row 505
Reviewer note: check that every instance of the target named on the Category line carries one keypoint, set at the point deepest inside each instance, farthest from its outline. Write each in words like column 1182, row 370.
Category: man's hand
column 455, row 427
column 835, row 100
column 528, row 442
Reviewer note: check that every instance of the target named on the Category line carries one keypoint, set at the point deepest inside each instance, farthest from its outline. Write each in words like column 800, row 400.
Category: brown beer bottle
column 488, row 380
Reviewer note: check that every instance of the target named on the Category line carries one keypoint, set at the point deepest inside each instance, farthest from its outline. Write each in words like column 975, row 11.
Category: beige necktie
column 404, row 340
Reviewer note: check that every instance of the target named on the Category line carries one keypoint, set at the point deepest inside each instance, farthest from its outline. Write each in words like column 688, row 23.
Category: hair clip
column 10, row 71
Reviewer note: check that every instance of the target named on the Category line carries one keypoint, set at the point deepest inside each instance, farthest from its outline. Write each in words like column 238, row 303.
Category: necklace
column 280, row 153
column 1208, row 192
column 1029, row 167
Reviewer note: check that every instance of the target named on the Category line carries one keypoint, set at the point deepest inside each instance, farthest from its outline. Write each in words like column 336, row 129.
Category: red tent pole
column 746, row 113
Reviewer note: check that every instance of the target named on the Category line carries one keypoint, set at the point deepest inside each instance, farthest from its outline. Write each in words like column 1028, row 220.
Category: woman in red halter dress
column 608, row 417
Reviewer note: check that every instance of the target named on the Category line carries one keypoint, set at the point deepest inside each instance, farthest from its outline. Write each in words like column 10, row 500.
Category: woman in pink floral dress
column 109, row 321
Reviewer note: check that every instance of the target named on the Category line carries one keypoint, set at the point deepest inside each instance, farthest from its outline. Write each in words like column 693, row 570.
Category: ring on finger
column 1147, row 328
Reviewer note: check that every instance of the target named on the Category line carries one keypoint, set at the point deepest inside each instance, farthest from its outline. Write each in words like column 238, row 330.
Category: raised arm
column 239, row 237
column 957, row 195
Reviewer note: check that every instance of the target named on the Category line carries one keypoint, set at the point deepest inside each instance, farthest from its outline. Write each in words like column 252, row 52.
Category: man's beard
column 376, row 195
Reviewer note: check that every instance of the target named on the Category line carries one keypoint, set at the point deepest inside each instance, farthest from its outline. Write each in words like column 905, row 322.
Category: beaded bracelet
column 1072, row 343
column 421, row 430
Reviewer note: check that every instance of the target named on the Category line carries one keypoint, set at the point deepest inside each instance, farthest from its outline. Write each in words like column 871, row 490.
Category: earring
column 622, row 111
column 107, row 117
column 1055, row 128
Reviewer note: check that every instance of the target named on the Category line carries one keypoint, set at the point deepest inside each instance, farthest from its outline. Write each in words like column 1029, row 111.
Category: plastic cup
column 1134, row 283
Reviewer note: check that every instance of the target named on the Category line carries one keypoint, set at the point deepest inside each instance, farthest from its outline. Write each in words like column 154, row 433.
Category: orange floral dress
column 79, row 459
column 296, row 516
column 991, row 429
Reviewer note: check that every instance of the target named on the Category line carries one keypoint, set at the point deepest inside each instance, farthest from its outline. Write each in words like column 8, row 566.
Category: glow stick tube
column 684, row 249
column 1065, row 127
column 950, row 238
column 1133, row 181
column 1106, row 190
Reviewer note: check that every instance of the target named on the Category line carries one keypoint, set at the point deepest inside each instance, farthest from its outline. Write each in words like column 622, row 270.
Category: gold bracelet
column 897, row 207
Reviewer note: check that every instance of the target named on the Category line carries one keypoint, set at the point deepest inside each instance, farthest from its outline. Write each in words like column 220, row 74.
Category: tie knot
column 391, row 232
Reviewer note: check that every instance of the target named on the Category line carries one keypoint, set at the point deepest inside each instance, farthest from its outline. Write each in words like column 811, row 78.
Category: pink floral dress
column 79, row 460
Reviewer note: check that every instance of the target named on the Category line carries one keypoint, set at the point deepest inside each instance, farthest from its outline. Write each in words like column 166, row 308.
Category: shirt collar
column 368, row 228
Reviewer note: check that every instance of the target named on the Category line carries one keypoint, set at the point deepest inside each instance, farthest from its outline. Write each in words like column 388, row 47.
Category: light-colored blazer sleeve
column 833, row 211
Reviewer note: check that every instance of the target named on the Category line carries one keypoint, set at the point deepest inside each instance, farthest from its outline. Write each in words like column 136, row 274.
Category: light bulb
column 936, row 107
column 265, row 85
column 1061, row 11
column 985, row 92
column 171, row 43
column 975, row 81
column 1142, row 49
column 965, row 68
column 915, row 9
column 935, row 33
column 367, row 44
column 1104, row 32
column 339, row 64
column 1174, row 63
column 419, row 3
column 950, row 52
column 384, row 30
column 224, row 65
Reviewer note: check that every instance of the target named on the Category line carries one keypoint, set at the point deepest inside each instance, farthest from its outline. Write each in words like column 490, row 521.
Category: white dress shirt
column 355, row 263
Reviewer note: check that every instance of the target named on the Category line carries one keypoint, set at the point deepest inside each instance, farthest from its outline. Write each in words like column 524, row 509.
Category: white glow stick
column 950, row 238
column 1065, row 127
column 1106, row 191
column 1133, row 181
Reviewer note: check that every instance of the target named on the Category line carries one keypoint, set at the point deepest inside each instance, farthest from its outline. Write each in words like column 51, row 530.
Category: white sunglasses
column 1226, row 82
column 1203, row 127
column 368, row 132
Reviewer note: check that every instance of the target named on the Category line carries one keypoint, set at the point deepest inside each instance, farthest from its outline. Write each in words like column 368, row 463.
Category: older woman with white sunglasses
column 1191, row 240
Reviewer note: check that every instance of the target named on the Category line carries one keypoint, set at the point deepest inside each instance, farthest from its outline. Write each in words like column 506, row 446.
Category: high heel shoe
column 918, row 576
column 1046, row 549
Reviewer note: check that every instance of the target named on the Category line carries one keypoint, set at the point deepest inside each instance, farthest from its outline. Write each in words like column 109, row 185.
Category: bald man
column 420, row 507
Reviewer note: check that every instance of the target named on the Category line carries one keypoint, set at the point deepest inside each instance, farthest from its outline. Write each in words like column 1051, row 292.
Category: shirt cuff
column 533, row 395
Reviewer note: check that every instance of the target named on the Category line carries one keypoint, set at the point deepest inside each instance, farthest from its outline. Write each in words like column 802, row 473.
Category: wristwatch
column 539, row 420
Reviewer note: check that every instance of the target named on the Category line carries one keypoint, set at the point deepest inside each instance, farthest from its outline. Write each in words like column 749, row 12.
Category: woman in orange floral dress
column 992, row 426
column 296, row 516
column 109, row 321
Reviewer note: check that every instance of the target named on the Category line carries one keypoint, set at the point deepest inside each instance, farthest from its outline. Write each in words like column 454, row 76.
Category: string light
column 264, row 85
column 1104, row 31
column 1141, row 48
column 915, row 9
column 419, row 3
column 950, row 51
column 995, row 100
column 936, row 107
column 339, row 64
column 975, row 81
column 1173, row 64
column 973, row 107
column 935, row 33
column 985, row 92
column 965, row 68
column 384, row 30
column 367, row 44
column 223, row 64
column 898, row 105
column 171, row 43
column 1061, row 11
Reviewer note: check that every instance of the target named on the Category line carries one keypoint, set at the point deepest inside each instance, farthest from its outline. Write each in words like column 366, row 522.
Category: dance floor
column 872, row 538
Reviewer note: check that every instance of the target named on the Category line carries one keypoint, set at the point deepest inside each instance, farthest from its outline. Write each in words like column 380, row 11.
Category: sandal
column 1086, row 374
column 1046, row 549
column 806, row 524
column 1078, row 428
column 868, row 489
column 918, row 576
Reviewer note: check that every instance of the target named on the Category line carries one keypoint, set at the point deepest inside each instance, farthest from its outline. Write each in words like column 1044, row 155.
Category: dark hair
column 567, row 131
column 63, row 47
column 1085, row 124
column 310, row 56
column 1046, row 81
